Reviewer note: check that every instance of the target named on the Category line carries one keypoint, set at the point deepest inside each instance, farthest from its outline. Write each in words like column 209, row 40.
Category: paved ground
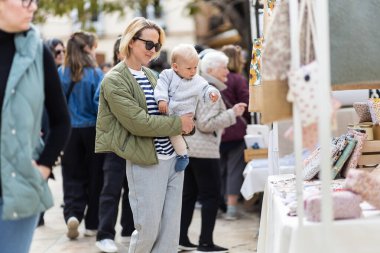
column 239, row 236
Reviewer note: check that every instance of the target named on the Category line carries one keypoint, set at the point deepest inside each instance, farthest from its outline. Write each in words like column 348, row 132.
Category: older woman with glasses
column 130, row 125
column 28, row 82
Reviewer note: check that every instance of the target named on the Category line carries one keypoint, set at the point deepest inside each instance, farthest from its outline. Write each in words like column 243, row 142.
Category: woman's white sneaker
column 106, row 245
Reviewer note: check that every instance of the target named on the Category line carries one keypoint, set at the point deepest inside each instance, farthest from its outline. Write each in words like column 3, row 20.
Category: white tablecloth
column 255, row 178
column 280, row 233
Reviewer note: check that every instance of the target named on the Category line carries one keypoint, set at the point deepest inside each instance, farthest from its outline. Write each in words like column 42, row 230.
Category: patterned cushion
column 346, row 205
column 364, row 184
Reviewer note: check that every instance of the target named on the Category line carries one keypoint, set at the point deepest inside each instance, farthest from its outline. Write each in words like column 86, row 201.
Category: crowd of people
column 160, row 138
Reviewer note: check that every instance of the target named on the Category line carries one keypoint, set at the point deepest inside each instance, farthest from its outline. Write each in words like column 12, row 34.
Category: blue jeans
column 16, row 235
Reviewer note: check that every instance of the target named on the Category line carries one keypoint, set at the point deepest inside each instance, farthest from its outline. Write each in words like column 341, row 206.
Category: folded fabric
column 364, row 184
column 353, row 160
column 374, row 109
column 346, row 205
column 311, row 165
column 343, row 158
column 362, row 110
column 338, row 147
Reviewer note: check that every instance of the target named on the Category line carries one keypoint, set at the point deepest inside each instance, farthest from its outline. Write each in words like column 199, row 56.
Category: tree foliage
column 237, row 11
column 87, row 10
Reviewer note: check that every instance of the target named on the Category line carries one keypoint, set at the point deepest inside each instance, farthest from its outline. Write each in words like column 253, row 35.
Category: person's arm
column 161, row 91
column 132, row 115
column 211, row 117
column 210, row 93
column 98, row 77
column 59, row 119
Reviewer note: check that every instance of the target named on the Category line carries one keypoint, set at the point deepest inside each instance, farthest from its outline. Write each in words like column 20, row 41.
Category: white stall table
column 280, row 233
column 255, row 178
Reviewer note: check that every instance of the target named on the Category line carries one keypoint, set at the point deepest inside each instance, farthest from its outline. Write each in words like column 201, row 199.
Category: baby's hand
column 163, row 107
column 214, row 97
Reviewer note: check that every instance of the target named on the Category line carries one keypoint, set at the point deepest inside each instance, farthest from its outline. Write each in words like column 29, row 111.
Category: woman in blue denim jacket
column 81, row 167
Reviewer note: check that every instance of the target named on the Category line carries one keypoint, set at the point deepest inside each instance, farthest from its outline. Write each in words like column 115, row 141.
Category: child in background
column 178, row 90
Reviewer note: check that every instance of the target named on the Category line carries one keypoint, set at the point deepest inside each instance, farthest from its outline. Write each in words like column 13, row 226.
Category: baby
column 178, row 90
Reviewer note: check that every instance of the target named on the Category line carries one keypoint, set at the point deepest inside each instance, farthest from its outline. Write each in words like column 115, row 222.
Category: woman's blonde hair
column 134, row 30
column 78, row 55
column 235, row 63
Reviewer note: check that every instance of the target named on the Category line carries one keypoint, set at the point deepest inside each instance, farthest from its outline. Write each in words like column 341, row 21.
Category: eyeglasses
column 150, row 44
column 58, row 52
column 28, row 3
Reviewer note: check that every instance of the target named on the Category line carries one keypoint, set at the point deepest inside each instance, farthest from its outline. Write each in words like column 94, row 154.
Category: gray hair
column 212, row 60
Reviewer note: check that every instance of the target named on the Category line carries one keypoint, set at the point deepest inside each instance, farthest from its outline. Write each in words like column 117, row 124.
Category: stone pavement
column 239, row 236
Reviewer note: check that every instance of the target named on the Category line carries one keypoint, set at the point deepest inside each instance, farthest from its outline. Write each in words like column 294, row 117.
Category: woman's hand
column 239, row 108
column 187, row 123
column 44, row 170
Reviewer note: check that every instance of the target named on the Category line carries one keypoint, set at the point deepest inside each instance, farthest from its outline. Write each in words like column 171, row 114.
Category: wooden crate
column 250, row 154
column 370, row 154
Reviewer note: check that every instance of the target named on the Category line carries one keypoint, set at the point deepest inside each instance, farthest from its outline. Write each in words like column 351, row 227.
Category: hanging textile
column 269, row 98
column 255, row 66
column 354, row 44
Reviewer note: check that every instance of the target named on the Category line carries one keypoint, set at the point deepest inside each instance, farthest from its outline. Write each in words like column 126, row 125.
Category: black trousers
column 202, row 182
column 82, row 177
column 115, row 179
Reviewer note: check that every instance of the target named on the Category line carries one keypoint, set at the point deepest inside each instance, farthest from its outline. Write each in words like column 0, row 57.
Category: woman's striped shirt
column 162, row 144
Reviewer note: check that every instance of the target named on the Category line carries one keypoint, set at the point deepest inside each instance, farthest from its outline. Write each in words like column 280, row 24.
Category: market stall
column 341, row 59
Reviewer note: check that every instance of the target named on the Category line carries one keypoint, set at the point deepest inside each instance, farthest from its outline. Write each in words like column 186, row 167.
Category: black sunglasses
column 150, row 44
column 58, row 52
column 28, row 3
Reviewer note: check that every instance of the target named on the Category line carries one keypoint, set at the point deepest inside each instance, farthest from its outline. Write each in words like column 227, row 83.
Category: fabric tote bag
column 276, row 58
column 304, row 81
column 272, row 102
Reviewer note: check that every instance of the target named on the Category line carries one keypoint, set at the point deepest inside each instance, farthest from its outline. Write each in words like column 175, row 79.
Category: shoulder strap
column 71, row 87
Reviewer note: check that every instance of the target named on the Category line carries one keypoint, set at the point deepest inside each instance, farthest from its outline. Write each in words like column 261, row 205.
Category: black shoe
column 41, row 221
column 211, row 248
column 188, row 246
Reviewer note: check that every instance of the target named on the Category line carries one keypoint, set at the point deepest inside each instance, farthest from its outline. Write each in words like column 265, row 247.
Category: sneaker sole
column 219, row 251
column 97, row 244
column 72, row 232
column 87, row 234
column 180, row 248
